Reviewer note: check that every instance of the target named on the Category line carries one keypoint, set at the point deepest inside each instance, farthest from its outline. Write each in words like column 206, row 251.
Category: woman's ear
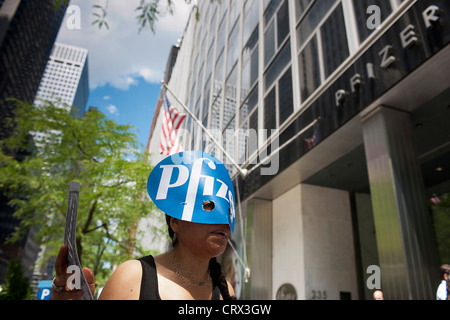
column 174, row 224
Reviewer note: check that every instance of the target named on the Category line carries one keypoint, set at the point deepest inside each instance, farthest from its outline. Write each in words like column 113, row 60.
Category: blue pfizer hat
column 193, row 186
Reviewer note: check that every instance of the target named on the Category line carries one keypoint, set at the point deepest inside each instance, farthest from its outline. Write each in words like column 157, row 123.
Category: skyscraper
column 28, row 30
column 348, row 105
column 66, row 78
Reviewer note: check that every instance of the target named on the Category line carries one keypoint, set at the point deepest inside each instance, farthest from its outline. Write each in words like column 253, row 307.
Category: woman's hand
column 60, row 280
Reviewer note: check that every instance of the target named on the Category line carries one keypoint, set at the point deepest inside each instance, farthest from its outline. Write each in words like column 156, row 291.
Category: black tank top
column 149, row 283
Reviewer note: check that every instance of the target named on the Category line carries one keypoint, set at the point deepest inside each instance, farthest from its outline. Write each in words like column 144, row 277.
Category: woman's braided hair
column 215, row 269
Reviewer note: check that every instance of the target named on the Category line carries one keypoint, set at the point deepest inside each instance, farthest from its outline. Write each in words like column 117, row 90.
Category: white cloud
column 106, row 98
column 112, row 109
column 119, row 56
column 149, row 75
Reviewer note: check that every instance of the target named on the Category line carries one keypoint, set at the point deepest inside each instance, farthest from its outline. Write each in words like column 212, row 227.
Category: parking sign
column 45, row 290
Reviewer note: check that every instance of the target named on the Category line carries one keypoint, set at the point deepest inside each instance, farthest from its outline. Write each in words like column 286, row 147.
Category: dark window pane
column 285, row 98
column 283, row 22
column 269, row 43
column 233, row 48
column 312, row 19
column 309, row 69
column 254, row 67
column 300, row 7
column 277, row 66
column 242, row 152
column 334, row 41
column 250, row 62
column 253, row 136
column 271, row 11
column 249, row 104
column 229, row 108
column 270, row 118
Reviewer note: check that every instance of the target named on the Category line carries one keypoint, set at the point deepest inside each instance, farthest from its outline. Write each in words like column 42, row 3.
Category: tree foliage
column 148, row 13
column 441, row 220
column 16, row 286
column 98, row 153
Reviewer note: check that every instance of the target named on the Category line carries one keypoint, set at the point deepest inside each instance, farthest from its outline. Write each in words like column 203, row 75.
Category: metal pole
column 243, row 172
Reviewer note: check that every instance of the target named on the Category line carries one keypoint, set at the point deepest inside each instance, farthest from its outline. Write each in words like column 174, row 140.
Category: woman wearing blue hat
column 195, row 191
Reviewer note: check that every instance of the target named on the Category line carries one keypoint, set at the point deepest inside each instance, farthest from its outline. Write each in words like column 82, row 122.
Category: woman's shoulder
column 125, row 282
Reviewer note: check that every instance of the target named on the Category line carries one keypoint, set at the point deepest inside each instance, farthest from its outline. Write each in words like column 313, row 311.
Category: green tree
column 16, row 286
column 441, row 220
column 98, row 153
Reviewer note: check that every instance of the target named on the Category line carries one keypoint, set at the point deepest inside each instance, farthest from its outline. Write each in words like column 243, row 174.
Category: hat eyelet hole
column 208, row 205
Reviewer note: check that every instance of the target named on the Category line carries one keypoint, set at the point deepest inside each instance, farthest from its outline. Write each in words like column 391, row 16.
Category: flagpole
column 243, row 172
column 309, row 126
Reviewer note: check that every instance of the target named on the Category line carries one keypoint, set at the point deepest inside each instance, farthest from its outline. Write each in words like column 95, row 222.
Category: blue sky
column 125, row 67
column 134, row 106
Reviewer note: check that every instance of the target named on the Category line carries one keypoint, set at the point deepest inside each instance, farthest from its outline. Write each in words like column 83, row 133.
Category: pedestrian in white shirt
column 442, row 291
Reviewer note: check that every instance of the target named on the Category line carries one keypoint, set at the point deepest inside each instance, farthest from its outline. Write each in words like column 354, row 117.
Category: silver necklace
column 180, row 268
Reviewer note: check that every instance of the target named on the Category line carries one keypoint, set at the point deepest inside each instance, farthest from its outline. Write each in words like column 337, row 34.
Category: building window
column 300, row 7
column 206, row 95
column 311, row 19
column 278, row 65
column 285, row 96
column 233, row 48
column 248, row 135
column 221, row 34
column 251, row 18
column 283, row 22
column 274, row 116
column 250, row 61
column 276, row 20
column 229, row 109
column 309, row 69
column 253, row 134
column 270, row 116
column 334, row 41
column 249, row 105
column 269, row 43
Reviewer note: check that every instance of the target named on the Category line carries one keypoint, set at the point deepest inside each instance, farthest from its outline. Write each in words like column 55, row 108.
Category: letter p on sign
column 44, row 294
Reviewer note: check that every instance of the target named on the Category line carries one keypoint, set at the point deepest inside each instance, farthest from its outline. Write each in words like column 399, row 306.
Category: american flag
column 435, row 200
column 314, row 140
column 171, row 122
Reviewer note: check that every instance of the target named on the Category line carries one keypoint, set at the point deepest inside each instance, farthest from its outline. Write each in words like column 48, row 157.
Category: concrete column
column 313, row 246
column 405, row 241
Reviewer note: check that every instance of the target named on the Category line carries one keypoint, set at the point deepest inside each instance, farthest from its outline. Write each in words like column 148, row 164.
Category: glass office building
column 339, row 112
column 28, row 29
column 66, row 77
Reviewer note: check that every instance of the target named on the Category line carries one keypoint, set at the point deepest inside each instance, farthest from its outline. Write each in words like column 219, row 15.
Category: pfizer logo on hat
column 193, row 186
